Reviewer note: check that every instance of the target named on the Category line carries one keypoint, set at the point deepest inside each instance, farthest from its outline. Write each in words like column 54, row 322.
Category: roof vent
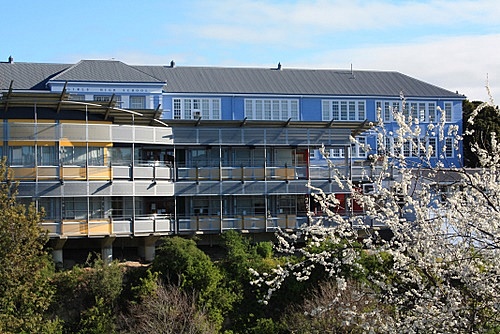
column 11, row 60
column 279, row 66
column 172, row 63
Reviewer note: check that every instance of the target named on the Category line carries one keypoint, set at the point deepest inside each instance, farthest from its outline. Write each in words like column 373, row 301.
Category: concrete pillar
column 57, row 257
column 57, row 251
column 107, row 249
column 148, row 249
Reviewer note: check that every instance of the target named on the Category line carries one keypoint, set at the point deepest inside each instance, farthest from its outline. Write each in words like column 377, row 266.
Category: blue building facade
column 119, row 155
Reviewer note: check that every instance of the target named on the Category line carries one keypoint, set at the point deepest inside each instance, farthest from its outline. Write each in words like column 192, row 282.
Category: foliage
column 167, row 309
column 241, row 255
column 329, row 309
column 181, row 263
column 97, row 319
column 440, row 269
column 87, row 297
column 25, row 289
column 486, row 124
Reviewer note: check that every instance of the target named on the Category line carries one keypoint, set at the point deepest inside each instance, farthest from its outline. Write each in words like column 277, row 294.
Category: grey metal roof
column 29, row 76
column 214, row 80
column 224, row 80
column 104, row 71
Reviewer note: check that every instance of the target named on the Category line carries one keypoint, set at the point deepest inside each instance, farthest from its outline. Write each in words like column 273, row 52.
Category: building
column 119, row 155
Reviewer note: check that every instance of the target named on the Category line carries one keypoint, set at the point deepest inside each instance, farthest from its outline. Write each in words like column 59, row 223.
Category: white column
column 107, row 249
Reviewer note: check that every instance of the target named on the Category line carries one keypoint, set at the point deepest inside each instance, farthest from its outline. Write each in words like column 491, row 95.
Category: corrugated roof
column 28, row 76
column 104, row 71
column 224, row 80
column 214, row 80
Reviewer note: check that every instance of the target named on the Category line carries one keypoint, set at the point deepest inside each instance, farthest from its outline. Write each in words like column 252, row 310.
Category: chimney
column 279, row 66
column 11, row 60
column 172, row 63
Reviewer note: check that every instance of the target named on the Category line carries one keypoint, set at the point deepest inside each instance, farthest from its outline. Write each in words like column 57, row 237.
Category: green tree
column 248, row 314
column 183, row 264
column 165, row 309
column 484, row 124
column 25, row 268
column 88, row 298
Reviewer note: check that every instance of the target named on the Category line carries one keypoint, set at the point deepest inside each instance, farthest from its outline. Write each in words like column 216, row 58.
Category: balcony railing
column 157, row 224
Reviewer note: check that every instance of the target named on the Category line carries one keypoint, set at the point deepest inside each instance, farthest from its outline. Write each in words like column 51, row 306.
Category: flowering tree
column 439, row 271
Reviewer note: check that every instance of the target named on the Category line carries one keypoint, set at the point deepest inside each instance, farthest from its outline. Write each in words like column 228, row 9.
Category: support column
column 57, row 251
column 107, row 249
column 148, row 248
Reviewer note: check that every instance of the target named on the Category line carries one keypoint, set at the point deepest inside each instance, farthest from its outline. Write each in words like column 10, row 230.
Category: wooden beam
column 63, row 92
column 156, row 114
column 359, row 129
column 110, row 106
column 9, row 93
column 198, row 121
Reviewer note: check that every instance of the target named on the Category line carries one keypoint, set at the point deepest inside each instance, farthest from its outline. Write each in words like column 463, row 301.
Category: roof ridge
column 102, row 61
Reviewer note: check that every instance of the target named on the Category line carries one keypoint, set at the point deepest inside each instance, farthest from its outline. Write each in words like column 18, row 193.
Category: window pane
column 22, row 155
column 361, row 110
column 96, row 156
column 46, row 156
column 121, row 156
column 248, row 109
column 51, row 207
column 177, row 108
column 137, row 102
column 325, row 110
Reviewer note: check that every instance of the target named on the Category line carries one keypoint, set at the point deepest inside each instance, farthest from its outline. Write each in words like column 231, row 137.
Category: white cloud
column 290, row 22
column 455, row 63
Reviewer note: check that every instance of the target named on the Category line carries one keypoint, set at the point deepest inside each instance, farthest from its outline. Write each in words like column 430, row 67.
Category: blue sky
column 454, row 44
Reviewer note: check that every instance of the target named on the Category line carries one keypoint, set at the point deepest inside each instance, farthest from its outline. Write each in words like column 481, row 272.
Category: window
column 384, row 146
column 137, row 102
column 76, row 97
column 409, row 147
column 121, row 156
column 359, row 148
column 343, row 110
column 431, row 147
column 387, row 108
column 177, row 109
column 73, row 155
column 96, row 207
column 406, row 149
column 196, row 108
column 269, row 109
column 337, row 152
column 52, row 207
column 77, row 156
column 413, row 110
column 448, row 149
column 188, row 106
column 431, row 107
column 107, row 98
column 46, row 156
column 352, row 110
column 74, row 208
column 423, row 111
column 22, row 155
column 96, row 156
column 448, row 107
